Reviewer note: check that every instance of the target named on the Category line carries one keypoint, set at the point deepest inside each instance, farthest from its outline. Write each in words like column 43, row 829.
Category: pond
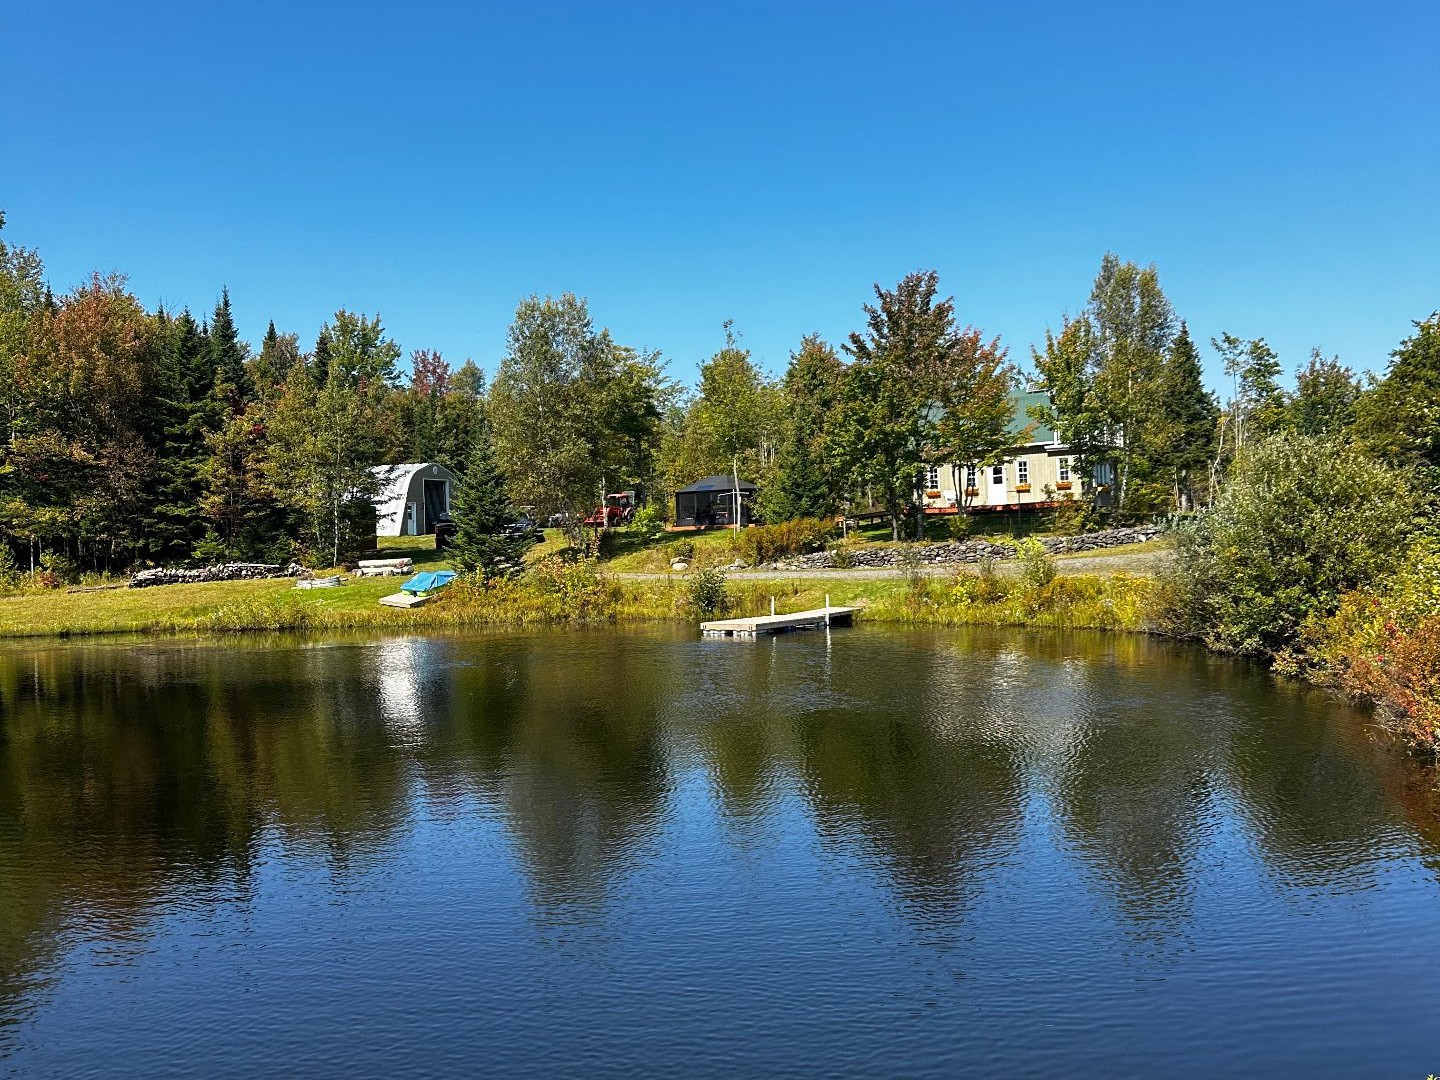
column 641, row 854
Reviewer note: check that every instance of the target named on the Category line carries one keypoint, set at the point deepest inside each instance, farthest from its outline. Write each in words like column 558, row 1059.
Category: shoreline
column 1080, row 601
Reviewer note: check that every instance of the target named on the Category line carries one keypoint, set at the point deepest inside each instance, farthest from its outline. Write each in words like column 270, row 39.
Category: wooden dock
column 762, row 625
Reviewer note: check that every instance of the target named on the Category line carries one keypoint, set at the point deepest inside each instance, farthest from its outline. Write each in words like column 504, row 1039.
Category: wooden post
column 827, row 611
column 735, row 464
column 772, row 605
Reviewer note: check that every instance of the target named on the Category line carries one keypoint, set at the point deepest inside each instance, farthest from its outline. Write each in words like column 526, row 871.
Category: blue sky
column 681, row 164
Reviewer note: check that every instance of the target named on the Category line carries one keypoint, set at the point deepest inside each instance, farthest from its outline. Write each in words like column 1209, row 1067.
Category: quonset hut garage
column 412, row 497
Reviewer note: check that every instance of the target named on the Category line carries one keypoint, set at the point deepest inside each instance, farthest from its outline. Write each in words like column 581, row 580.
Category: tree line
column 148, row 436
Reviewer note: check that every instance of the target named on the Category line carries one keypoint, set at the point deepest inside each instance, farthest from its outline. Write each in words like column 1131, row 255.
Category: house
column 712, row 502
column 412, row 497
column 1038, row 471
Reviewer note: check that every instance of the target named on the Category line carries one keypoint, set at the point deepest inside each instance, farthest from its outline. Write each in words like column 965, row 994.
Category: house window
column 1022, row 471
column 932, row 477
column 1064, row 465
column 997, row 476
column 972, row 481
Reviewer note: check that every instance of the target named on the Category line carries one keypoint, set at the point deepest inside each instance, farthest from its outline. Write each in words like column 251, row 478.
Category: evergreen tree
column 1191, row 417
column 1326, row 392
column 246, row 518
column 279, row 355
column 318, row 362
column 227, row 352
column 192, row 353
column 1399, row 418
column 482, row 510
column 183, row 412
column 805, row 481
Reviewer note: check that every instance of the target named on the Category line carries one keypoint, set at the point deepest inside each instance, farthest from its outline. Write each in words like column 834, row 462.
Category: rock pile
column 239, row 571
column 958, row 552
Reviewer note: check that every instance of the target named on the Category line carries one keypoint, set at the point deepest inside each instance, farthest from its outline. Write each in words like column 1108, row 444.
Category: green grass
column 1144, row 548
column 631, row 553
column 419, row 549
column 573, row 595
column 277, row 605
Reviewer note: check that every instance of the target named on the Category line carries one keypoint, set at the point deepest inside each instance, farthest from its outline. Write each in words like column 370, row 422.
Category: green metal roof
column 1020, row 419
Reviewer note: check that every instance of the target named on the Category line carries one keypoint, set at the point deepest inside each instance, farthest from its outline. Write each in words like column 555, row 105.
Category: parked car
column 522, row 526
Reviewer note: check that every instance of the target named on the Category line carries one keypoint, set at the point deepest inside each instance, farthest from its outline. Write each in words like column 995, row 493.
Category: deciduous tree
column 1106, row 373
column 919, row 390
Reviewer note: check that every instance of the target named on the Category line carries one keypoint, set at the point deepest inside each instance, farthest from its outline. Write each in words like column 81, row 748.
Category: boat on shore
column 420, row 589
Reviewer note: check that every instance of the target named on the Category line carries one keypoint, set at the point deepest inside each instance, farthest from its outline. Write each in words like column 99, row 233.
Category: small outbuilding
column 412, row 497
column 712, row 502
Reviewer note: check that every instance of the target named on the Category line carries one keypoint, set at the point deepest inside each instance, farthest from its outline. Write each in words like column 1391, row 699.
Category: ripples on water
column 622, row 854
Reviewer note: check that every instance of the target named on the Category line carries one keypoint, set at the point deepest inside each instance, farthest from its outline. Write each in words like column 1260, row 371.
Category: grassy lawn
column 637, row 555
column 278, row 605
column 1145, row 548
column 216, row 604
column 419, row 549
column 178, row 607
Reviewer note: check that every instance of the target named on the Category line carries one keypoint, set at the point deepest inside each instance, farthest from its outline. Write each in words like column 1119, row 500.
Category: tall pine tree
column 1191, row 417
column 279, row 354
column 227, row 353
column 806, row 482
column 1399, row 418
column 482, row 510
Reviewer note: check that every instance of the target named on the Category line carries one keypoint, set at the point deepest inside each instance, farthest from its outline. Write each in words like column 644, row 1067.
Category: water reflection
column 141, row 780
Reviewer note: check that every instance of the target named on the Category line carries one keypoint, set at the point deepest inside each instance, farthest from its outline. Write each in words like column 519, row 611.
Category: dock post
column 772, row 605
column 827, row 611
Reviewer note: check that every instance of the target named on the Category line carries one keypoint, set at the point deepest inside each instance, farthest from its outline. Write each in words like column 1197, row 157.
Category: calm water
column 638, row 854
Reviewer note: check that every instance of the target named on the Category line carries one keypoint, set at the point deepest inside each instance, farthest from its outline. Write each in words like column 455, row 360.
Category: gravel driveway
column 1138, row 562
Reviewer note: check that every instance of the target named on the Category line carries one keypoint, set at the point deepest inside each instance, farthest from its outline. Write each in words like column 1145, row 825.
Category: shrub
column 56, row 570
column 684, row 550
column 766, row 543
column 842, row 557
column 648, row 522
column 1073, row 514
column 1385, row 646
column 1037, row 568
column 972, row 588
column 9, row 568
column 961, row 526
column 708, row 594
column 1301, row 521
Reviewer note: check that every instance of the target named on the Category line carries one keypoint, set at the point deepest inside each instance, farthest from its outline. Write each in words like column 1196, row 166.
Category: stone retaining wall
column 959, row 552
column 165, row 575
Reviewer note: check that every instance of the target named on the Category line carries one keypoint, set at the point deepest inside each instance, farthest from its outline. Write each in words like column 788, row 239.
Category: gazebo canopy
column 719, row 482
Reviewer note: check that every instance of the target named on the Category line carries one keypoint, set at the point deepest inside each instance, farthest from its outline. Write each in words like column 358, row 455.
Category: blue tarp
column 428, row 581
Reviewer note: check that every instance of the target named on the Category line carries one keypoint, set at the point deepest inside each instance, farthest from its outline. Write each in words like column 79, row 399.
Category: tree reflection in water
column 138, row 776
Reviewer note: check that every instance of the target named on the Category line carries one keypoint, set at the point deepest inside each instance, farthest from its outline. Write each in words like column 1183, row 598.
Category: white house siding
column 1042, row 464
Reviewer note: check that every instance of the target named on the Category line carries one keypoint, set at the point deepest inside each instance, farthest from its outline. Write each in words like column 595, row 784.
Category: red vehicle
column 619, row 509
